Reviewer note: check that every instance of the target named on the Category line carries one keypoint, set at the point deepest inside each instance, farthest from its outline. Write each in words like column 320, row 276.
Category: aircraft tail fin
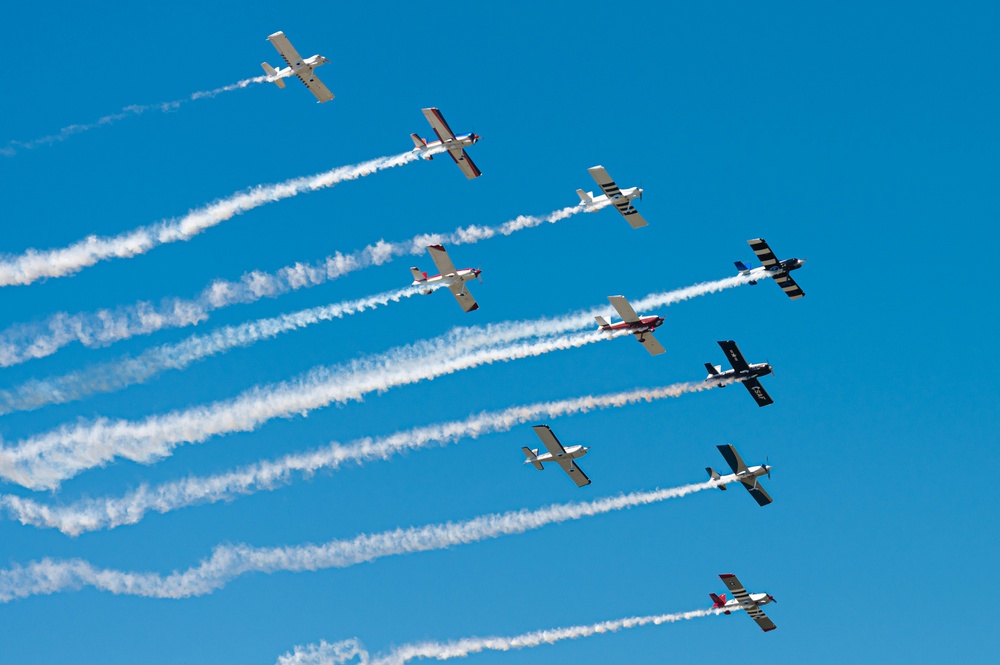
column 270, row 71
column 718, row 601
column 602, row 321
column 742, row 267
column 585, row 197
column 713, row 369
column 532, row 455
column 714, row 475
column 417, row 275
column 420, row 143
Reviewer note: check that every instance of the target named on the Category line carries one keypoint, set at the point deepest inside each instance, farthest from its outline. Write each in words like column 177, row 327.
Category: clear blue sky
column 862, row 136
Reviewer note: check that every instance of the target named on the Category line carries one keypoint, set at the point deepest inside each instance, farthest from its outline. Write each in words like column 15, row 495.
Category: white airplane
column 451, row 277
column 772, row 267
column 640, row 326
column 750, row 602
column 620, row 198
column 297, row 66
column 446, row 138
column 562, row 456
column 742, row 474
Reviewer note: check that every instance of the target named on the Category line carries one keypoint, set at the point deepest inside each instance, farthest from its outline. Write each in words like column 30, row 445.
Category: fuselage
column 763, row 272
column 749, row 475
column 755, row 598
column 572, row 452
column 306, row 66
column 456, row 277
column 756, row 370
column 596, row 203
column 458, row 142
column 644, row 324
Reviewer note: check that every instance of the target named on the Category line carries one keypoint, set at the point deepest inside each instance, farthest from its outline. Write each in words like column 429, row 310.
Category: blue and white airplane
column 772, row 267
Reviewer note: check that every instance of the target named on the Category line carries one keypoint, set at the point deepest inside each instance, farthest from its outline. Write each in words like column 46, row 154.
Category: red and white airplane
column 620, row 198
column 451, row 277
column 297, row 66
column 640, row 326
column 750, row 602
column 455, row 145
column 557, row 453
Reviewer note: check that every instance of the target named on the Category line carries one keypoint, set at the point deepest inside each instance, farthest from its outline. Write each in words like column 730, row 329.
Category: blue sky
column 860, row 136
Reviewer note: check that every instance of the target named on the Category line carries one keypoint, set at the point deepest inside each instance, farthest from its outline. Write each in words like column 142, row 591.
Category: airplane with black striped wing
column 621, row 199
column 297, row 66
column 772, row 267
column 449, row 276
column 741, row 600
column 747, row 475
column 454, row 145
column 640, row 326
column 742, row 372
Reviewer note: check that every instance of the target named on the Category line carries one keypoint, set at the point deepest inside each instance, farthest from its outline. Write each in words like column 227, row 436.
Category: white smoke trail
column 34, row 265
column 110, row 512
column 43, row 461
column 325, row 653
column 24, row 342
column 228, row 562
column 136, row 109
column 120, row 373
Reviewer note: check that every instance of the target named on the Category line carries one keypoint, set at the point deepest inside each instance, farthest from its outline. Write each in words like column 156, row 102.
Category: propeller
column 640, row 191
column 479, row 273
column 768, row 361
column 768, row 466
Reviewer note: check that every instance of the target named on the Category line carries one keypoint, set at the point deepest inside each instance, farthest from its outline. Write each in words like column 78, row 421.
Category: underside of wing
column 758, row 492
column 734, row 356
column 732, row 457
column 631, row 215
column 438, row 124
column 788, row 285
column 463, row 297
column 465, row 163
column 624, row 309
column 285, row 48
column 757, row 392
column 604, row 181
column 575, row 473
column 763, row 621
column 316, row 86
column 441, row 259
column 650, row 343
column 549, row 440
column 763, row 252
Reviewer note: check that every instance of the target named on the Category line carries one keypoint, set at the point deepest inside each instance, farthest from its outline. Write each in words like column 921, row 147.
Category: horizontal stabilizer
column 417, row 275
column 585, row 197
column 601, row 321
column 532, row 456
column 714, row 475
column 270, row 71
column 742, row 267
column 713, row 370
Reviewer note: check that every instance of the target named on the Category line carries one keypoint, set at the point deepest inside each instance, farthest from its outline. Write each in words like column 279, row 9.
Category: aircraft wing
column 575, row 473
column 736, row 358
column 285, row 48
column 440, row 257
column 463, row 296
column 549, row 440
column 316, row 86
column 650, row 343
column 465, row 163
column 757, row 614
column 763, row 252
column 438, row 124
column 614, row 194
column 733, row 458
column 757, row 392
column 624, row 309
column 758, row 492
column 788, row 285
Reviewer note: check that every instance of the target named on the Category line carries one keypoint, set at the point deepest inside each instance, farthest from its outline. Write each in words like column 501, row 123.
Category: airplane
column 451, row 277
column 297, row 66
column 772, row 267
column 742, row 371
column 743, row 474
column 562, row 456
column 621, row 199
column 641, row 327
column 447, row 139
column 749, row 602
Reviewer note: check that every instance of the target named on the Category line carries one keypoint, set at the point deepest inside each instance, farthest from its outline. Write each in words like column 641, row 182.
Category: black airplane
column 772, row 267
column 742, row 372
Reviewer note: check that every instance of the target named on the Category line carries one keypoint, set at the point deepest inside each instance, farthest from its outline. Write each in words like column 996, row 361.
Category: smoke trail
column 117, row 374
column 42, row 462
column 34, row 265
column 24, row 342
column 110, row 512
column 325, row 653
column 228, row 562
column 136, row 109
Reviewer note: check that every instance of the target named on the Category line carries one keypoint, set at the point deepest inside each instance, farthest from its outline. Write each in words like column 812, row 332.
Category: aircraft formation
column 640, row 326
